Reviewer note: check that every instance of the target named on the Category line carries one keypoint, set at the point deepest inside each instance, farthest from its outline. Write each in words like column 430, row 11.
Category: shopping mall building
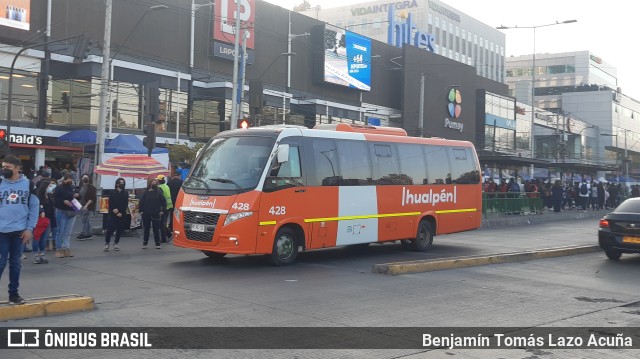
column 299, row 70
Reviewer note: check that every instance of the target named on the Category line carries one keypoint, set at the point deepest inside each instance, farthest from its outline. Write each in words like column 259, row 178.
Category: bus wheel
column 214, row 255
column 424, row 237
column 285, row 247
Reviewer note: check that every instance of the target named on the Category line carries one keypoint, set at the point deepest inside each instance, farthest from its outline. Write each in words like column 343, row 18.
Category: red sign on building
column 225, row 20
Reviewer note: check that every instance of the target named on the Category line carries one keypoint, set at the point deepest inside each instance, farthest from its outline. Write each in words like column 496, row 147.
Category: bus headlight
column 176, row 212
column 236, row 216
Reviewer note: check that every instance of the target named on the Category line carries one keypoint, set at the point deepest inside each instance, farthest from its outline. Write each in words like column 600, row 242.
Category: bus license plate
column 627, row 239
column 197, row 227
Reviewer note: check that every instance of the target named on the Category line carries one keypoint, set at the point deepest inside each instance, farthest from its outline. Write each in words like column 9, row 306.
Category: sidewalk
column 546, row 216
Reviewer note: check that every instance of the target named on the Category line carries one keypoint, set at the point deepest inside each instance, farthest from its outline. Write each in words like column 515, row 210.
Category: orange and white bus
column 278, row 190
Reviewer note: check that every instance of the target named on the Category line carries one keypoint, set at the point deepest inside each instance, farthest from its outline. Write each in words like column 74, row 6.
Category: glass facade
column 500, row 123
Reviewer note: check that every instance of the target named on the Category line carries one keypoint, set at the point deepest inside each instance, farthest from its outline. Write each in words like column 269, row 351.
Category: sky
column 606, row 28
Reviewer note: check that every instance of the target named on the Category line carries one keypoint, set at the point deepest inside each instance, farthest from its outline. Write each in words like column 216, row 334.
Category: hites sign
column 400, row 33
column 225, row 20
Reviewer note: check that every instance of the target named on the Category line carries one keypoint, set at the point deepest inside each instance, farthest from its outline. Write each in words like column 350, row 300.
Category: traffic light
column 81, row 51
column 4, row 141
column 245, row 123
column 150, row 140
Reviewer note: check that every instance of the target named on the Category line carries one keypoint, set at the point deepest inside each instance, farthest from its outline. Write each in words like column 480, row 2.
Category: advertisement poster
column 347, row 58
column 15, row 13
column 225, row 20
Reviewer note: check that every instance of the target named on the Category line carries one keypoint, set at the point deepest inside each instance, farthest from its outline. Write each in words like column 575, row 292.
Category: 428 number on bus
column 240, row 206
column 278, row 210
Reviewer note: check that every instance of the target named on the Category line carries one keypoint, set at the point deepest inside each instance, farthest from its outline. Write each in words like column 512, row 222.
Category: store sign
column 225, row 20
column 25, row 139
column 444, row 11
column 493, row 120
column 454, row 108
column 15, row 13
column 400, row 33
column 374, row 9
column 227, row 51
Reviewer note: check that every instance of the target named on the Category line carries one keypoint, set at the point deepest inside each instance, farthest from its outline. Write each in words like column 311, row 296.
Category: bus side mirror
column 283, row 153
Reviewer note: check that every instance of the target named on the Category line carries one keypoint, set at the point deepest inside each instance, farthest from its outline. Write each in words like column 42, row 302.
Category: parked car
column 619, row 231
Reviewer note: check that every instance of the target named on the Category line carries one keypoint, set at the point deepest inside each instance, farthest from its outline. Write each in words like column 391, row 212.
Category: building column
column 39, row 161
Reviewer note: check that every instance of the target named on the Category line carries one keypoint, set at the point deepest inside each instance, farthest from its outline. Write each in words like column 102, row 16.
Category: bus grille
column 209, row 220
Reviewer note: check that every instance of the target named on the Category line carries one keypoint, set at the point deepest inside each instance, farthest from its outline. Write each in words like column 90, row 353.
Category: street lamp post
column 533, row 75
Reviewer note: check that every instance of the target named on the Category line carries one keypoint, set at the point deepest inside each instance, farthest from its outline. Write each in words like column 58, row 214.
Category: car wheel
column 285, row 247
column 424, row 237
column 613, row 254
column 214, row 255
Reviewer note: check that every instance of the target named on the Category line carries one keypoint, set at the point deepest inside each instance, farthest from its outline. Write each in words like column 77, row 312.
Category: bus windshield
column 230, row 164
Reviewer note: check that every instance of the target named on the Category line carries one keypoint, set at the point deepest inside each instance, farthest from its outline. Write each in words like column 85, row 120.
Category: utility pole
column 243, row 70
column 421, row 111
column 236, row 58
column 104, row 87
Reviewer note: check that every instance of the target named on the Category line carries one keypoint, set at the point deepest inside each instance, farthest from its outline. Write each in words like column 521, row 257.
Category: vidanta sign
column 374, row 9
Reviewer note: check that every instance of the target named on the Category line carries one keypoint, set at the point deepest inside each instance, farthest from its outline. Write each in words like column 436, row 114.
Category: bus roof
column 346, row 127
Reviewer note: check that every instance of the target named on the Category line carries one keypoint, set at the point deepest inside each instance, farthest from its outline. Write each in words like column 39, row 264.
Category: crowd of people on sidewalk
column 559, row 195
column 39, row 215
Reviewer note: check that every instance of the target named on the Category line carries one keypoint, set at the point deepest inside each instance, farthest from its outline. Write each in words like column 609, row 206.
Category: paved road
column 179, row 287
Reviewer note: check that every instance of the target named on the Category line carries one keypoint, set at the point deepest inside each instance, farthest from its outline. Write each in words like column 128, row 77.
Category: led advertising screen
column 15, row 13
column 347, row 58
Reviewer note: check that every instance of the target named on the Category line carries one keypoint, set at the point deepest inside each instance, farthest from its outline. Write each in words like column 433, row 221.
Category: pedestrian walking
column 166, row 192
column 88, row 200
column 583, row 192
column 18, row 217
column 116, row 219
column 66, row 213
column 557, row 195
column 152, row 207
column 175, row 183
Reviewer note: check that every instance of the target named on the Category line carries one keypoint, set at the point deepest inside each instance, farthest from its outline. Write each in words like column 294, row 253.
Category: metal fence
column 511, row 203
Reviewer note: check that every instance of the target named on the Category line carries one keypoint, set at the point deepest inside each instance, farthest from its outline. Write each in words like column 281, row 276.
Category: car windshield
column 230, row 164
column 629, row 206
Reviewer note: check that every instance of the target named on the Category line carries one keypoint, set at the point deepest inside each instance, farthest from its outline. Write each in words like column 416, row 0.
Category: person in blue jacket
column 19, row 210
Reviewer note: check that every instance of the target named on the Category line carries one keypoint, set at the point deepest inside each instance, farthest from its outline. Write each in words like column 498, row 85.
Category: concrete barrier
column 40, row 307
column 430, row 265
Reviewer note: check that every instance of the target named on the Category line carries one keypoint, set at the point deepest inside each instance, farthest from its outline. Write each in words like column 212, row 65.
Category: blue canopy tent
column 79, row 136
column 130, row 144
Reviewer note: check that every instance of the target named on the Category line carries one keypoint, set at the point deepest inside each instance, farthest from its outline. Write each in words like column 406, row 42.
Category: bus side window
column 290, row 169
column 463, row 166
column 323, row 168
column 385, row 165
column 286, row 174
column 437, row 164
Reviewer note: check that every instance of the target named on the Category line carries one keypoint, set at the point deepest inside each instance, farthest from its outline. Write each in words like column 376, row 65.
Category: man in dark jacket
column 116, row 221
column 152, row 208
column 174, row 186
column 88, row 200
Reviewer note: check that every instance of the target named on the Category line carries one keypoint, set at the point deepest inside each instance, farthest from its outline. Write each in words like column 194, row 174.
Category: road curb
column 430, row 265
column 41, row 307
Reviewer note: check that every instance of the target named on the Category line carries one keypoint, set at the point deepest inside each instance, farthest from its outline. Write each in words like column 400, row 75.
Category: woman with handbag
column 64, row 195
column 152, row 207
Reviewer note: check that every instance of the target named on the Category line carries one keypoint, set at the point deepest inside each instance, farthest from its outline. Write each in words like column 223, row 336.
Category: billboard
column 347, row 58
column 225, row 20
column 15, row 13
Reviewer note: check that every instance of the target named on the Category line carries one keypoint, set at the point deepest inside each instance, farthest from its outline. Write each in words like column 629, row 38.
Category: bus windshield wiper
column 206, row 186
column 225, row 180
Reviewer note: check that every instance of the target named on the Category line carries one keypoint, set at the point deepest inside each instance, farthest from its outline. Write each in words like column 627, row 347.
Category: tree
column 181, row 153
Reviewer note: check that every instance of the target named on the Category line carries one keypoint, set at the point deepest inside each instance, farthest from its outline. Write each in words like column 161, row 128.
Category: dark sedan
column 619, row 231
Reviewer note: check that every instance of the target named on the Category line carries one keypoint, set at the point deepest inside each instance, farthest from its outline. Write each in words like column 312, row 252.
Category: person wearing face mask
column 44, row 192
column 18, row 217
column 152, row 207
column 65, row 215
column 116, row 222
column 88, row 200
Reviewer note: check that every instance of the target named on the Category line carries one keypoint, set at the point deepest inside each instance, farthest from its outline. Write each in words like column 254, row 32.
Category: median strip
column 430, row 265
column 40, row 307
